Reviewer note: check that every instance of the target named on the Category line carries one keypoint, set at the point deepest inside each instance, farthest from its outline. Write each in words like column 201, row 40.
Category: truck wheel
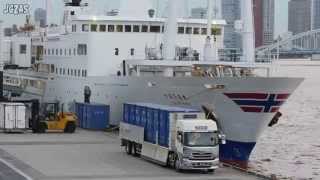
column 42, row 128
column 177, row 164
column 70, row 127
column 135, row 150
column 129, row 148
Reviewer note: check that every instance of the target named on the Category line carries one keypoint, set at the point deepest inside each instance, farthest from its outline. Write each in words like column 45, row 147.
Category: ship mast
column 248, row 40
column 1, row 62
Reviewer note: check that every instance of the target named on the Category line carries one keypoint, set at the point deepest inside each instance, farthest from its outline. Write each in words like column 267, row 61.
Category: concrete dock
column 82, row 156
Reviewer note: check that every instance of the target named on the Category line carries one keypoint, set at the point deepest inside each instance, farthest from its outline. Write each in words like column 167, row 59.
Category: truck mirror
column 222, row 139
column 179, row 136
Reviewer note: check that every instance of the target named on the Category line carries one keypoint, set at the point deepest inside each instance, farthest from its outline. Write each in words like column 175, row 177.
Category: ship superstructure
column 173, row 61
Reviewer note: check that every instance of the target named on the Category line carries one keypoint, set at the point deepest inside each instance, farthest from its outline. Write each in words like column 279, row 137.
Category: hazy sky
column 281, row 15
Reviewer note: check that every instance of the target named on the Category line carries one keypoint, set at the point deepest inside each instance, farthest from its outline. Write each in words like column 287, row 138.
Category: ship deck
column 84, row 155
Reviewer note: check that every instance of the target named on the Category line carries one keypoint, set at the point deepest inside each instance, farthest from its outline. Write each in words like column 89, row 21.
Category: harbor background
column 291, row 149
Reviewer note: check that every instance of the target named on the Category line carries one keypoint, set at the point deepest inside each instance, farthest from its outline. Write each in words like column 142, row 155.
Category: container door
column 2, row 115
column 21, row 117
column 10, row 117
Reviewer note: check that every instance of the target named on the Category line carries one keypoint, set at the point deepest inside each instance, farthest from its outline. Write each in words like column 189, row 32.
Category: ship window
column 60, row 52
column 85, row 27
column 49, row 50
column 70, row 52
column 188, row 30
column 23, row 49
column 64, row 71
column 65, row 52
column 215, row 31
column 116, row 51
column 119, row 28
column 180, row 30
column 45, row 51
column 82, row 49
column 203, row 31
column 82, row 73
column 196, row 30
column 127, row 28
column 79, row 72
column 68, row 71
column 60, row 71
column 144, row 28
column 110, row 28
column 74, row 28
column 162, row 29
column 85, row 73
column 132, row 51
column 102, row 28
column 52, row 68
column 57, row 52
column 136, row 28
column 155, row 29
column 71, row 72
column 74, row 51
column 94, row 28
column 56, row 70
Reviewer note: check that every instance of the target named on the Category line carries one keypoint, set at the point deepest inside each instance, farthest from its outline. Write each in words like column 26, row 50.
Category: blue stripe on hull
column 236, row 153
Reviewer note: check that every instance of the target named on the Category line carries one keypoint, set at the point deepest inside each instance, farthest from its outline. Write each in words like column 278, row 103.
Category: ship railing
column 195, row 68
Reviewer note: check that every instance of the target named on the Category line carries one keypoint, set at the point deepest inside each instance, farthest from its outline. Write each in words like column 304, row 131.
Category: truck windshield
column 200, row 139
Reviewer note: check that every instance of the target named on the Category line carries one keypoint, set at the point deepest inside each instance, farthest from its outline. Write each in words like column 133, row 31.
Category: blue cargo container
column 154, row 118
column 93, row 116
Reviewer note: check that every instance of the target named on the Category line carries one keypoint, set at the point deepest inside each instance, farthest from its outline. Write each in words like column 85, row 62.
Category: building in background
column 231, row 12
column 264, row 21
column 315, row 15
column 40, row 17
column 199, row 13
column 299, row 16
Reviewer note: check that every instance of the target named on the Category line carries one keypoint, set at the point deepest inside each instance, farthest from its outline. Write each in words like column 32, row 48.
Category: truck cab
column 197, row 145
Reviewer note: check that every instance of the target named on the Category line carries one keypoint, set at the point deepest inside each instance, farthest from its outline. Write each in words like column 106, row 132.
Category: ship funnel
column 72, row 2
column 169, row 50
column 248, row 41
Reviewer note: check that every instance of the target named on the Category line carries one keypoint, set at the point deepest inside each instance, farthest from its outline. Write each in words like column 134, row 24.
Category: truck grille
column 202, row 156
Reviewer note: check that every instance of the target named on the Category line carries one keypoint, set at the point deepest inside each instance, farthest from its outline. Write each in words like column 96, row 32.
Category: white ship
column 146, row 58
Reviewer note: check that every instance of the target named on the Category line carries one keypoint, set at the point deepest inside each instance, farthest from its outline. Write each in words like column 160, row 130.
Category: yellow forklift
column 52, row 119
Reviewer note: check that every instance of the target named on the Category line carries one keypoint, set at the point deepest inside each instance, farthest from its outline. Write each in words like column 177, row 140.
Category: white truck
column 13, row 117
column 180, row 138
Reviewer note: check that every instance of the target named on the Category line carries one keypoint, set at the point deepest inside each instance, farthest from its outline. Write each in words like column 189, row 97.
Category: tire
column 129, row 148
column 177, row 165
column 70, row 127
column 42, row 128
column 135, row 150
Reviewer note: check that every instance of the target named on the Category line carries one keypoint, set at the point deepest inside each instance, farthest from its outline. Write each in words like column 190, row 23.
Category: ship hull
column 242, row 128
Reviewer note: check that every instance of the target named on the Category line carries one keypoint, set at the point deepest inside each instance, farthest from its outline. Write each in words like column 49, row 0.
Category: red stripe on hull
column 283, row 96
column 252, row 109
column 247, row 95
column 275, row 109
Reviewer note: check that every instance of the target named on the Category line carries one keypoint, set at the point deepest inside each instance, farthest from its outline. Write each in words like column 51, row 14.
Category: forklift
column 52, row 119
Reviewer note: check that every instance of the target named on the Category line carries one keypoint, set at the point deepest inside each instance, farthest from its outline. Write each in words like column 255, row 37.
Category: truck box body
column 13, row 116
column 157, row 121
column 93, row 116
